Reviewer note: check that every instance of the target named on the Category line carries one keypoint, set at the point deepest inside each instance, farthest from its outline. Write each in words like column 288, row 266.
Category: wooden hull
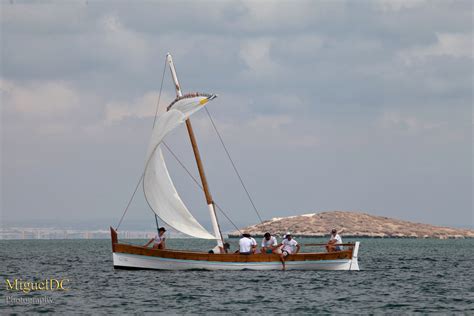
column 136, row 257
column 131, row 261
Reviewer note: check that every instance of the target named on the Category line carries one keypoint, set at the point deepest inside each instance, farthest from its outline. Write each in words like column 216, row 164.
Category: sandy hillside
column 353, row 224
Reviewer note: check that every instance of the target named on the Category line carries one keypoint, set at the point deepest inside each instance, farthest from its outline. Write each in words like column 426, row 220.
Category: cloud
column 396, row 5
column 406, row 123
column 141, row 107
column 282, row 16
column 128, row 47
column 47, row 108
column 42, row 99
column 269, row 131
column 256, row 55
column 454, row 45
column 325, row 84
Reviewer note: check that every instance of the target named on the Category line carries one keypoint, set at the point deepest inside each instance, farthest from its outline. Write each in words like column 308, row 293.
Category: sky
column 324, row 105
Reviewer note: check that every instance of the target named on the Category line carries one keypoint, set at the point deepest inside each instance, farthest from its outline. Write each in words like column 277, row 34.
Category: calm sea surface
column 397, row 276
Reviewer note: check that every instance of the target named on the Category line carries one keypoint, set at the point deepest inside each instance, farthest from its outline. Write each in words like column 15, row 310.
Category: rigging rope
column 141, row 177
column 157, row 226
column 154, row 121
column 186, row 169
column 159, row 94
column 233, row 164
column 129, row 202
column 199, row 184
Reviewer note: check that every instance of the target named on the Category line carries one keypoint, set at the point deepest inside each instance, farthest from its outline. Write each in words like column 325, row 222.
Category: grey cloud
column 353, row 105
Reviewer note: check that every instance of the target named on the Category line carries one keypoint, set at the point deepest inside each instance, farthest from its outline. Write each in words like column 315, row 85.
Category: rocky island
column 353, row 224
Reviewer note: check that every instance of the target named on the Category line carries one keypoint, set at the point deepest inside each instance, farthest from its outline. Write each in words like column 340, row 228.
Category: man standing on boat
column 269, row 243
column 159, row 239
column 247, row 245
column 334, row 241
column 289, row 247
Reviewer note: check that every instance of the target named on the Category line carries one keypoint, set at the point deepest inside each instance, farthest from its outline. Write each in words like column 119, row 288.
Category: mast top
column 173, row 74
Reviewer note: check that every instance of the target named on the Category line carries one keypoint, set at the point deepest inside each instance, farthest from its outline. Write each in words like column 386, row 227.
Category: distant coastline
column 33, row 233
column 314, row 225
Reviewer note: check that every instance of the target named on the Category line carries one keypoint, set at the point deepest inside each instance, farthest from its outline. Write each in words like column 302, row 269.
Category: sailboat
column 164, row 200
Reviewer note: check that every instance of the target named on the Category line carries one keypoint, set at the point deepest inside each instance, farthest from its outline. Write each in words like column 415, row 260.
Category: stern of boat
column 113, row 237
column 354, row 266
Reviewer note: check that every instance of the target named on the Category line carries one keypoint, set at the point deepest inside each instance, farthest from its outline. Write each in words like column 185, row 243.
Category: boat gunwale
column 230, row 257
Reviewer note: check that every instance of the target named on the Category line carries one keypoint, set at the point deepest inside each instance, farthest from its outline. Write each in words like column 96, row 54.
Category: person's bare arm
column 148, row 243
column 298, row 247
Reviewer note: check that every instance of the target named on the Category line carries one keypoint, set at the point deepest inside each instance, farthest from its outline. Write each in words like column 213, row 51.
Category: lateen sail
column 159, row 189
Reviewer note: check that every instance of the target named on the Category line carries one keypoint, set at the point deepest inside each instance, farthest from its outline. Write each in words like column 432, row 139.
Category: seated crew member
column 159, row 239
column 334, row 241
column 218, row 249
column 247, row 245
column 269, row 243
column 289, row 247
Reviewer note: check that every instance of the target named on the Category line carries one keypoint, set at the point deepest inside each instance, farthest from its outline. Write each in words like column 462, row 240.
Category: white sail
column 159, row 189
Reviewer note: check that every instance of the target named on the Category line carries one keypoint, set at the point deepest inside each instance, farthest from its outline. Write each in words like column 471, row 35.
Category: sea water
column 397, row 276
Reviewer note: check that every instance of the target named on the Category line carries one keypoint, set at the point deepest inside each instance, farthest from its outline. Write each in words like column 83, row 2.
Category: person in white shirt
column 220, row 250
column 334, row 241
column 269, row 243
column 288, row 246
column 159, row 239
column 247, row 245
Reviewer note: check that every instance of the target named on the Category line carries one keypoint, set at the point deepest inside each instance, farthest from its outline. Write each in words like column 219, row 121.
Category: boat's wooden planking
column 190, row 255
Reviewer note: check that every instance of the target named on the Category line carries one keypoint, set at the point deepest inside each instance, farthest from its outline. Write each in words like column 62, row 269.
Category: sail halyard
column 202, row 175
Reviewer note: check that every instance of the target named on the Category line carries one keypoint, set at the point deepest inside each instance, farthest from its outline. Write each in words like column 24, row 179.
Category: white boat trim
column 130, row 261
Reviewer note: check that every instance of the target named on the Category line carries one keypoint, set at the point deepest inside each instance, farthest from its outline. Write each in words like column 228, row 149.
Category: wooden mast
column 202, row 175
